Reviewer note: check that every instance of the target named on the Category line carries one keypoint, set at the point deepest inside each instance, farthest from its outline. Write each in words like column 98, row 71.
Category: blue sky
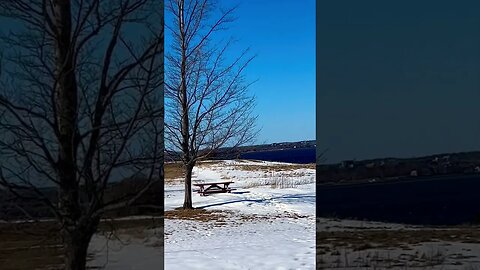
column 398, row 78
column 282, row 35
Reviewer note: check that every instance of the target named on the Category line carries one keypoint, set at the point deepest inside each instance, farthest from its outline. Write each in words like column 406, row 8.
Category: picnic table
column 214, row 187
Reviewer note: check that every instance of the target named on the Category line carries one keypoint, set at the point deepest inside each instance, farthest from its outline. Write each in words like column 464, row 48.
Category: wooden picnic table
column 214, row 187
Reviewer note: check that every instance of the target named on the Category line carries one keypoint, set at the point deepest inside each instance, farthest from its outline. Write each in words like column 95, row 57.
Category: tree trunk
column 76, row 254
column 76, row 236
column 76, row 246
column 187, row 204
column 65, row 99
column 185, row 123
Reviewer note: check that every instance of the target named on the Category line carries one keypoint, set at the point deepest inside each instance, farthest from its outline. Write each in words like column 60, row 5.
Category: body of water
column 296, row 155
column 441, row 200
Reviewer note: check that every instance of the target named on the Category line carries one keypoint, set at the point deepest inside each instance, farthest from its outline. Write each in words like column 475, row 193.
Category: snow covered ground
column 127, row 252
column 354, row 244
column 268, row 222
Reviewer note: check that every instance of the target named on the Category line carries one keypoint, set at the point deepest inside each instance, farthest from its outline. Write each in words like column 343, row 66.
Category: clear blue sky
column 282, row 35
column 398, row 78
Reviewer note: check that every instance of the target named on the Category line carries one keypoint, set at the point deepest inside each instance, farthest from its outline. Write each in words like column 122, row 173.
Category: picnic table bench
column 214, row 187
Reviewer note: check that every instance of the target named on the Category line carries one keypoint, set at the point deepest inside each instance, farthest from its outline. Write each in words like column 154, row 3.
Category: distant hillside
column 11, row 207
column 232, row 153
column 386, row 168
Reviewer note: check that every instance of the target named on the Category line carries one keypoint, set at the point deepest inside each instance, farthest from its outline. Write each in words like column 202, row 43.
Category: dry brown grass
column 209, row 163
column 197, row 215
column 243, row 165
column 173, row 170
column 385, row 249
column 24, row 246
column 371, row 239
column 222, row 217
column 273, row 167
column 280, row 182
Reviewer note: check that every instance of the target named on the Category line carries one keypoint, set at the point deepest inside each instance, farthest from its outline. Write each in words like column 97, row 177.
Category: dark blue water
column 297, row 155
column 447, row 200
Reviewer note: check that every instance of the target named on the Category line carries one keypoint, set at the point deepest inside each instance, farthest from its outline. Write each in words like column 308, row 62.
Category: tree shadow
column 240, row 192
column 285, row 197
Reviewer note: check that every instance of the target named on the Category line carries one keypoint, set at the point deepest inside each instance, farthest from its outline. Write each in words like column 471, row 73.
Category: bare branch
column 208, row 103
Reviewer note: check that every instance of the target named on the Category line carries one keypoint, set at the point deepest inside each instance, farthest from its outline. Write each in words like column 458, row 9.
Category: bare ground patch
column 197, row 214
column 223, row 217
column 173, row 170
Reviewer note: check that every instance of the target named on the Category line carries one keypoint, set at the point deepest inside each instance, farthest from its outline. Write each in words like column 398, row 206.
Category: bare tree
column 81, row 106
column 207, row 103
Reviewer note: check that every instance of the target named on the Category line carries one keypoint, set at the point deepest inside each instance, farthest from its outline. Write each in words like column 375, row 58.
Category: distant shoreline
column 394, row 180
column 304, row 155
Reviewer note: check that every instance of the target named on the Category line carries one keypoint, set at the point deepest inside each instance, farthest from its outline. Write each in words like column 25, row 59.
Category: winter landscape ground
column 273, row 206
column 268, row 222
column 353, row 244
column 126, row 243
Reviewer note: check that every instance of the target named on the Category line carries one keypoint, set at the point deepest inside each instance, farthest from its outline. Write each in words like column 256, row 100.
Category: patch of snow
column 125, row 253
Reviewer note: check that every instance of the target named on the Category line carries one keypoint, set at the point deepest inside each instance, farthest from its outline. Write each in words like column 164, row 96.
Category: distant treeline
column 442, row 164
column 16, row 207
column 235, row 153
